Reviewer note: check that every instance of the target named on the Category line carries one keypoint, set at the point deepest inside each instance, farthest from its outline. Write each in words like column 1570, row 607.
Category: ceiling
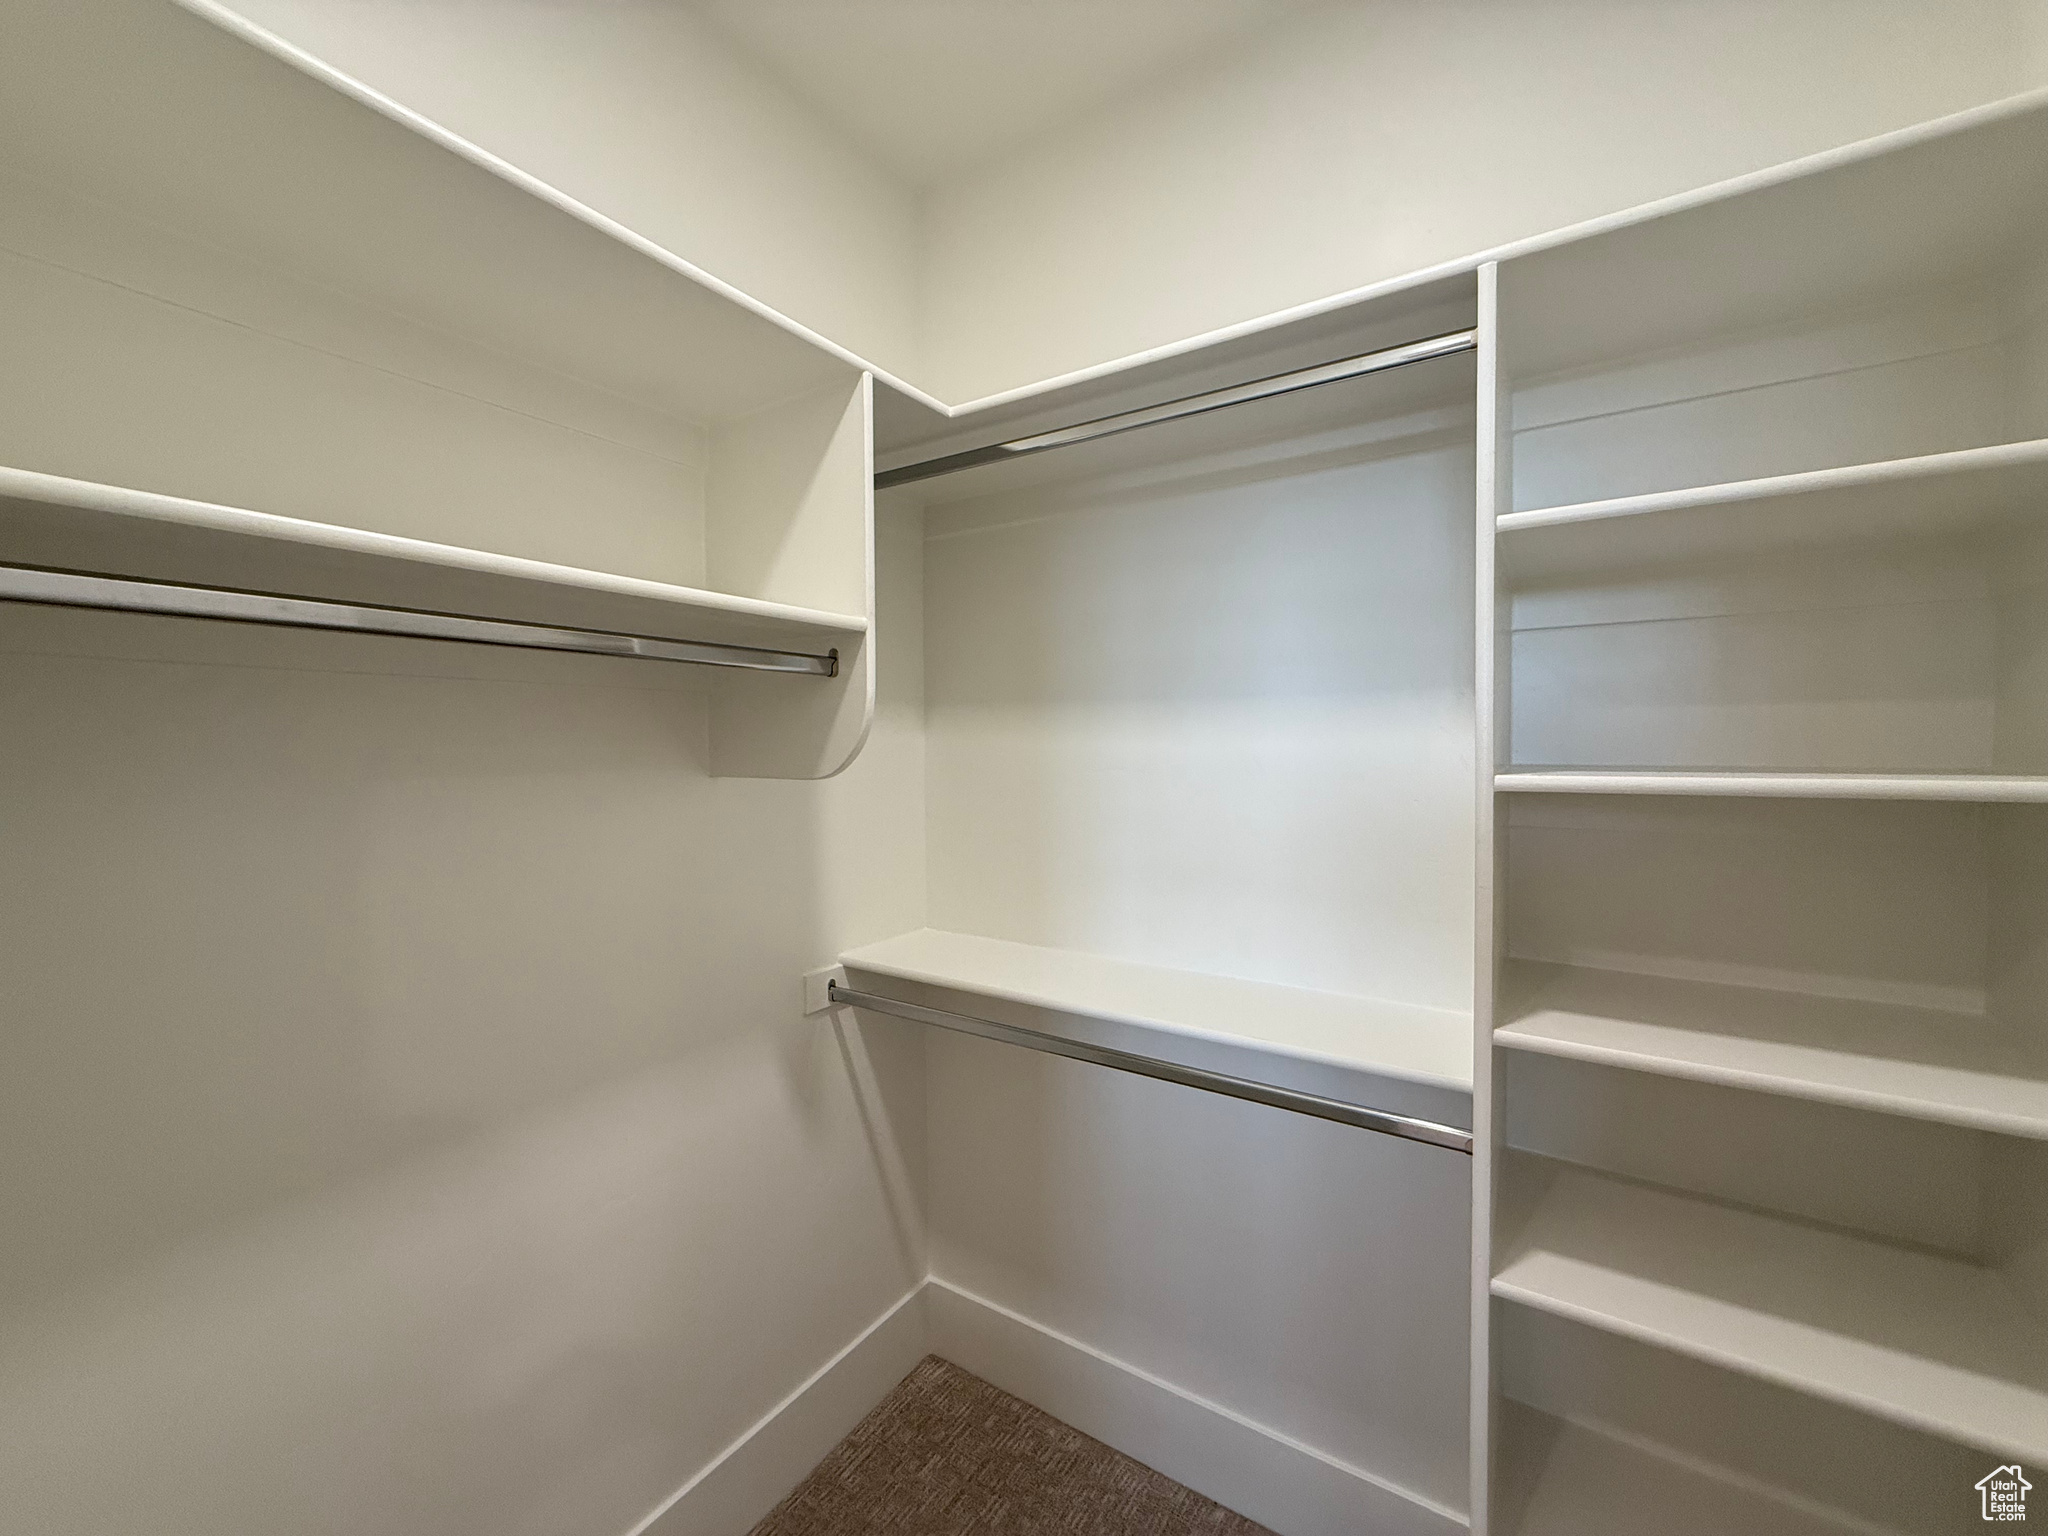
column 930, row 87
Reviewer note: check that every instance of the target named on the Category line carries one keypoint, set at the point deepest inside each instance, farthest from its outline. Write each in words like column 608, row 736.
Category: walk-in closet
column 795, row 769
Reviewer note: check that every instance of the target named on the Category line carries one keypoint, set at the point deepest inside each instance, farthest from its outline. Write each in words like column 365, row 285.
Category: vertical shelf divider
column 1493, row 490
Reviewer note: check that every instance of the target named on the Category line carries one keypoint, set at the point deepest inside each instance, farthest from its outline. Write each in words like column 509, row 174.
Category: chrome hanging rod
column 67, row 589
column 1383, row 1121
column 1447, row 345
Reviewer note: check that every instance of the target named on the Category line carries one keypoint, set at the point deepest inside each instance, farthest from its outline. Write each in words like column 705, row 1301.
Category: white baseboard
column 1259, row 1472
column 751, row 1476
column 1262, row 1474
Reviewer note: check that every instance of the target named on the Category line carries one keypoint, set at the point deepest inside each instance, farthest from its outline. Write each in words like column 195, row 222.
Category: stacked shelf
column 1765, row 1042
column 1919, row 1339
column 1602, row 1433
column 1780, row 611
column 1930, row 495
column 1566, row 1479
column 2010, row 789
column 1899, row 1059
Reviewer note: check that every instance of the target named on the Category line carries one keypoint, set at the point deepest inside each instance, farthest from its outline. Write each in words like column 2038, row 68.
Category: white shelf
column 147, row 107
column 1935, row 495
column 1431, row 1046
column 1936, row 204
column 1566, row 1479
column 1935, row 1343
column 76, row 525
column 2005, row 788
column 1918, row 1062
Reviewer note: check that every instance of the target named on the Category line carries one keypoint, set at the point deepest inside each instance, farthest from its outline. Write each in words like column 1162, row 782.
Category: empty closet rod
column 1383, row 1121
column 1447, row 345
column 66, row 589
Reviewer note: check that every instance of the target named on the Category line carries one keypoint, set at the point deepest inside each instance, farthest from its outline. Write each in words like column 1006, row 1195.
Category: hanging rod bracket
column 1386, row 1122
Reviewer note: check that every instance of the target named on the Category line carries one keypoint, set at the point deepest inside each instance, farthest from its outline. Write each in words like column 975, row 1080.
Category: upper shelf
column 1428, row 1046
column 1927, row 206
column 1387, row 315
column 1831, row 231
column 1419, row 398
column 144, row 105
column 74, row 525
column 1934, row 495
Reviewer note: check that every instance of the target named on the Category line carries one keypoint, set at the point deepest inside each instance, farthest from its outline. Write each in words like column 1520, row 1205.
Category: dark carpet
column 946, row 1454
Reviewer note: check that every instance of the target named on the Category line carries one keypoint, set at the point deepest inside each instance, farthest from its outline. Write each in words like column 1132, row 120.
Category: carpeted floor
column 946, row 1454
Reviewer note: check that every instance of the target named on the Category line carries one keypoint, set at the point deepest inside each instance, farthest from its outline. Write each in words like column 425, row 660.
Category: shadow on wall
column 1237, row 1251
column 1153, row 701
column 405, row 1119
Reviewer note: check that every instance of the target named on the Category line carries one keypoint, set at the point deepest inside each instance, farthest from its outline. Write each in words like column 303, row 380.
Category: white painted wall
column 406, row 1118
column 1299, row 1275
column 2033, row 25
column 637, row 108
column 1360, row 141
column 1215, row 712
column 1154, row 700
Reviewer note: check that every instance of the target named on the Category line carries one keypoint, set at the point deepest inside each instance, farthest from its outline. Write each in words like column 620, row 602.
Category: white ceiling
column 928, row 87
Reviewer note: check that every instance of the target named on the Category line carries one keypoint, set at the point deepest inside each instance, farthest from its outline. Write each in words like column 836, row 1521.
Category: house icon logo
column 2005, row 1494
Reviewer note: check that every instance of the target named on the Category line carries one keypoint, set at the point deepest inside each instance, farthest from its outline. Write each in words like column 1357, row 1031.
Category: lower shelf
column 1936, row 1343
column 1430, row 1046
column 1564, row 1479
